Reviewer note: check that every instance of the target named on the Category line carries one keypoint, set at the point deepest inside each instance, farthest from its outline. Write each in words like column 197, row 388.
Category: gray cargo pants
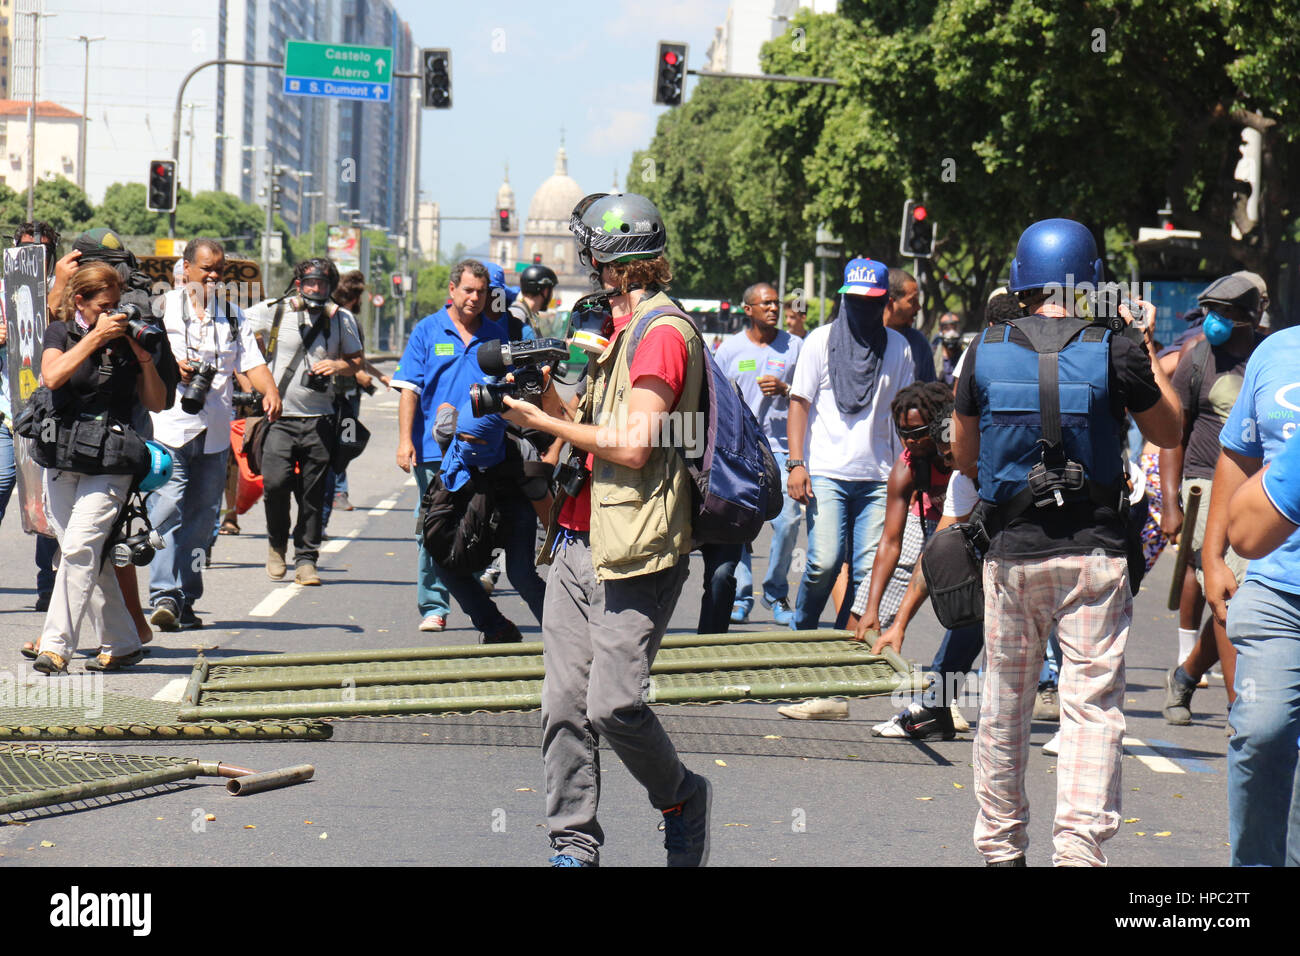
column 599, row 640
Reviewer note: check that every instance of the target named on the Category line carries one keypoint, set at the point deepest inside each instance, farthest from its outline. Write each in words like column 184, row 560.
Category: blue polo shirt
column 1265, row 416
column 441, row 367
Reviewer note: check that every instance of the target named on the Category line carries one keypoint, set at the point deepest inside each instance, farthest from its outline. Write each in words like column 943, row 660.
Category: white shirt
column 861, row 447
column 962, row 496
column 206, row 340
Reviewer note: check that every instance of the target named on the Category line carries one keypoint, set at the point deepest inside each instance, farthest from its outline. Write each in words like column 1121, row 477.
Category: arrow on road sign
column 379, row 65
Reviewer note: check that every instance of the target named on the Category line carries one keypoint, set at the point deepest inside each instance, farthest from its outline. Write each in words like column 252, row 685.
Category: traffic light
column 917, row 239
column 398, row 289
column 537, row 258
column 437, row 78
column 162, row 186
column 503, row 220
column 670, row 74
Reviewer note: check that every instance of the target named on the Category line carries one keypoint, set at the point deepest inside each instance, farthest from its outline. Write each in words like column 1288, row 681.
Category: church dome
column 555, row 198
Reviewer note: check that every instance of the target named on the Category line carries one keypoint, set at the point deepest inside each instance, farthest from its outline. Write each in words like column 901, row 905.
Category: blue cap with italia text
column 865, row 277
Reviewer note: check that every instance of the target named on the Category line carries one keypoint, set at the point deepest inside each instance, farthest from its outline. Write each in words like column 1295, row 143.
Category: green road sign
column 338, row 61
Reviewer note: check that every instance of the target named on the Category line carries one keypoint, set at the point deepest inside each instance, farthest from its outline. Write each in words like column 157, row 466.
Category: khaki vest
column 640, row 518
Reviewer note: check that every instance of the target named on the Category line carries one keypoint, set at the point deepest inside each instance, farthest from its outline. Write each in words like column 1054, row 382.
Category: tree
column 222, row 216
column 123, row 210
column 994, row 114
column 62, row 204
column 430, row 290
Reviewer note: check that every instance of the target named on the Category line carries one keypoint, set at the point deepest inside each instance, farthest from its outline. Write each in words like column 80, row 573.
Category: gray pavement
column 468, row 790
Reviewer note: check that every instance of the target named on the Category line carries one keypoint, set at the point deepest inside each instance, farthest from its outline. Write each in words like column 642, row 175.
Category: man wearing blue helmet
column 1040, row 414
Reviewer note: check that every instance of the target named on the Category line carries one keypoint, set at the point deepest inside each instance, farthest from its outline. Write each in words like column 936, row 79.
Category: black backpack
column 459, row 528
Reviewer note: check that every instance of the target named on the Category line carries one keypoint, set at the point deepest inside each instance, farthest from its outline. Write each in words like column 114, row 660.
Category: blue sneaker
column 782, row 614
column 686, row 827
column 563, row 859
column 739, row 614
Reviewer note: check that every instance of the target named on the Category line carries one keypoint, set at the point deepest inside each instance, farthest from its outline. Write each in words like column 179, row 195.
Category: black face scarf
column 856, row 351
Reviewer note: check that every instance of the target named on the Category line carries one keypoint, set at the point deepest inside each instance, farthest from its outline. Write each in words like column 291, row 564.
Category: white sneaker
column 959, row 723
column 434, row 622
column 1053, row 746
column 822, row 709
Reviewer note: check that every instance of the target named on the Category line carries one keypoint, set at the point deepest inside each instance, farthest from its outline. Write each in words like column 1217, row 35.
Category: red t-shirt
column 661, row 355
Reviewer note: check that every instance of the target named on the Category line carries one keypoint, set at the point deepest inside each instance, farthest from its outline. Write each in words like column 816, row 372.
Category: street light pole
column 31, row 123
column 85, row 106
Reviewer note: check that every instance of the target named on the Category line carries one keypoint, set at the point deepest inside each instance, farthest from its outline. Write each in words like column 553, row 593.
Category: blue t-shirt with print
column 742, row 360
column 441, row 367
column 1264, row 417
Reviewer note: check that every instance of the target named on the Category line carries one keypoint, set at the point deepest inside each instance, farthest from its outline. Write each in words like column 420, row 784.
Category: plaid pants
column 1087, row 596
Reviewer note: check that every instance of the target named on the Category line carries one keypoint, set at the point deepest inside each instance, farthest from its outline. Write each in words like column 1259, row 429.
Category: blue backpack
column 736, row 482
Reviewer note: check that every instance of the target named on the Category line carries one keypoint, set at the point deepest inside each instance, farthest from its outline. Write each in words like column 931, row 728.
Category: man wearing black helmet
column 308, row 340
column 536, row 286
column 622, row 543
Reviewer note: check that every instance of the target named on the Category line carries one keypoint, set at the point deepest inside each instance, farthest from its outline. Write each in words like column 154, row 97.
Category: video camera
column 527, row 358
column 1105, row 305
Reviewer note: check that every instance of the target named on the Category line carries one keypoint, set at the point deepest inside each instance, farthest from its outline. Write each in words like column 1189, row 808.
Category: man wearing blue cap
column 1040, row 410
column 841, row 434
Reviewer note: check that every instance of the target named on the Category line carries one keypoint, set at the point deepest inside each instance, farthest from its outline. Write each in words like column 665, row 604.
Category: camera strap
column 303, row 347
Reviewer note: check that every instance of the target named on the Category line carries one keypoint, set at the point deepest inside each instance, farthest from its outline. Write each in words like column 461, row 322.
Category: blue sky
column 522, row 70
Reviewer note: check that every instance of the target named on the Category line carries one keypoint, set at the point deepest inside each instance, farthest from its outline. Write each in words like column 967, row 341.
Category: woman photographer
column 93, row 367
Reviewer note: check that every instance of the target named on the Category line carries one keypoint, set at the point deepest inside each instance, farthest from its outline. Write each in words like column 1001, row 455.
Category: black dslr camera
column 317, row 383
column 196, row 391
column 1105, row 309
column 146, row 333
column 527, row 358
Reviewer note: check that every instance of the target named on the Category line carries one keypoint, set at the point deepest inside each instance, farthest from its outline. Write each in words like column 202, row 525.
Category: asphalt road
column 468, row 790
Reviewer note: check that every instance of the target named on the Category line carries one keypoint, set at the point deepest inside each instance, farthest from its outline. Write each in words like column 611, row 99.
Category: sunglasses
column 916, row 434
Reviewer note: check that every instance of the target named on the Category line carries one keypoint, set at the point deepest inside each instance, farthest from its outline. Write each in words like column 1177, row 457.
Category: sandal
column 50, row 664
column 229, row 526
column 29, row 651
column 107, row 662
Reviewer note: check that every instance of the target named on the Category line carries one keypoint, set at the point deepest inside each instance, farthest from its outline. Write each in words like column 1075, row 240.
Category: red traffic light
column 919, row 213
column 397, row 281
column 537, row 258
column 671, row 58
column 724, row 306
column 503, row 213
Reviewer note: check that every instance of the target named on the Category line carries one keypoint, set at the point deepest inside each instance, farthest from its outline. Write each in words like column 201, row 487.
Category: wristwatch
column 794, row 463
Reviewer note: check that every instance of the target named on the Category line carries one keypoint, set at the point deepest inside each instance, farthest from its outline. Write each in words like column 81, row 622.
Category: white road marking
column 335, row 545
column 173, row 690
column 269, row 605
column 382, row 508
column 1150, row 756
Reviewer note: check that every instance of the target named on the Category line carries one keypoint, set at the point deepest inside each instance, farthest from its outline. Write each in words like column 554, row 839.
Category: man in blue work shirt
column 438, row 367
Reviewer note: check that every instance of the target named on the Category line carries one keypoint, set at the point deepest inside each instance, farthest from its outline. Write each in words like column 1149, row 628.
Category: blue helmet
column 160, row 467
column 1055, row 252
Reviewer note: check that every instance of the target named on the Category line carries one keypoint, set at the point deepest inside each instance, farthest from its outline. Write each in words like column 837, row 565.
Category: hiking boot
column 107, row 662
column 686, row 827
column 507, row 634
column 1047, row 703
column 275, row 566
column 50, row 664
column 782, row 614
column 1178, row 697
column 959, row 723
column 306, row 575
column 821, row 709
column 916, row 722
column 166, row 615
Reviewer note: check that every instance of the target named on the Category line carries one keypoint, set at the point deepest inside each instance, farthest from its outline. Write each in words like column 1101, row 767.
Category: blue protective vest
column 1011, row 413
